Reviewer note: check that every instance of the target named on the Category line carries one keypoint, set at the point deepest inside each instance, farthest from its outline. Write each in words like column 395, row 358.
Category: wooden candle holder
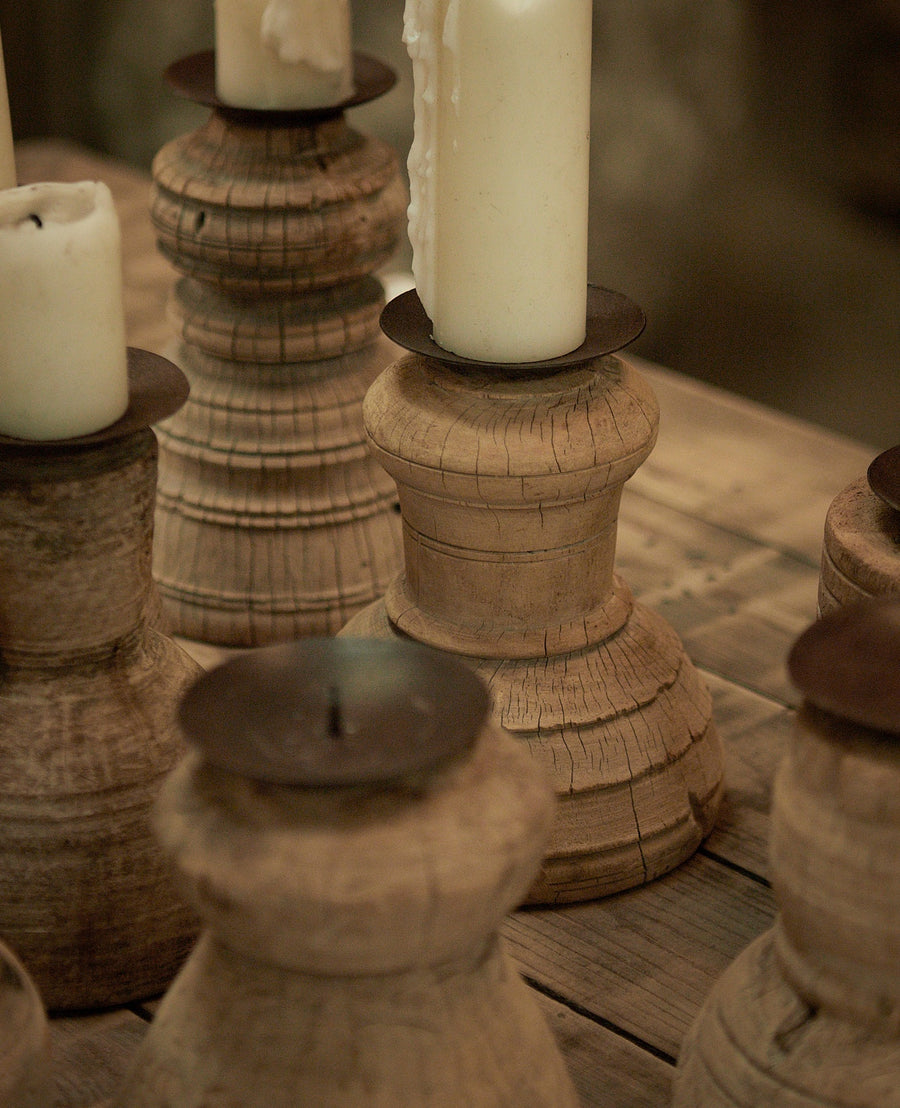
column 87, row 710
column 861, row 546
column 353, row 832
column 809, row 1014
column 24, row 1038
column 273, row 522
column 509, row 481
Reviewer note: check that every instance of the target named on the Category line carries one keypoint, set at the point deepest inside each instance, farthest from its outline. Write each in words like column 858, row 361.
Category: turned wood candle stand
column 273, row 521
column 509, row 480
column 353, row 829
column 88, row 698
column 809, row 1015
column 861, row 545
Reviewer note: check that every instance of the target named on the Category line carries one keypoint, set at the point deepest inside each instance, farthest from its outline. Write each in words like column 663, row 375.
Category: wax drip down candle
column 283, row 54
column 499, row 173
column 7, row 156
column 63, row 359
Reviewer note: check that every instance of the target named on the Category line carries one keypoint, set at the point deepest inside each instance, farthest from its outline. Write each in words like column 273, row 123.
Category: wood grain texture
column 606, row 1069
column 87, row 726
column 351, row 954
column 861, row 548
column 809, row 1014
column 273, row 522
column 732, row 499
column 509, row 490
column 645, row 959
column 91, row 1055
column 760, row 1043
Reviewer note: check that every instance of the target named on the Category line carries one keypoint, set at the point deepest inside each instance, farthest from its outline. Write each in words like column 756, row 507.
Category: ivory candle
column 283, row 54
column 7, row 157
column 63, row 360
column 499, row 173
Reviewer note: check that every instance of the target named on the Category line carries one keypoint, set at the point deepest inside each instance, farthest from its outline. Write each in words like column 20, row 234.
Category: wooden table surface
column 720, row 531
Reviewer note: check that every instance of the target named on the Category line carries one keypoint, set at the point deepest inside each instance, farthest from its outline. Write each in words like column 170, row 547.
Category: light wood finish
column 720, row 530
column 809, row 1014
column 382, row 983
column 273, row 522
column 861, row 549
column 509, row 491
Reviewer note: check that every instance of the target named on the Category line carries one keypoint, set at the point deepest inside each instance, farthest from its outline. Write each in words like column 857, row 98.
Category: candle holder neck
column 75, row 548
column 509, row 491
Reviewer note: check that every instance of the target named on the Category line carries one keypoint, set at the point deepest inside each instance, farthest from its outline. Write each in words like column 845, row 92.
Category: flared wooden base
column 509, row 490
column 758, row 1044
column 624, row 732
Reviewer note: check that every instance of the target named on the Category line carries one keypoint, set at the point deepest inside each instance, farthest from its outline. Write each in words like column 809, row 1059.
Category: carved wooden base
column 759, row 1044
column 352, row 955
column 809, row 1015
column 273, row 522
column 87, row 725
column 509, row 491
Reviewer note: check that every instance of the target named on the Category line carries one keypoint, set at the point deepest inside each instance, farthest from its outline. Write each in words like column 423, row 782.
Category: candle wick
column 36, row 219
column 335, row 715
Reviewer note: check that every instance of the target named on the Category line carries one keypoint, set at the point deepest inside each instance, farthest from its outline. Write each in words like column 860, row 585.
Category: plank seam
column 601, row 1021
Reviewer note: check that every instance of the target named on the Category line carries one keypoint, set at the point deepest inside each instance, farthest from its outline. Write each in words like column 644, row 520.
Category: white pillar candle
column 63, row 359
column 499, row 173
column 283, row 54
column 7, row 157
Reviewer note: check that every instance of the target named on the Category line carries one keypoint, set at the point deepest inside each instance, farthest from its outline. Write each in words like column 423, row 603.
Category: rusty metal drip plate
column 612, row 322
column 194, row 78
column 156, row 389
column 848, row 663
column 335, row 712
column 884, row 477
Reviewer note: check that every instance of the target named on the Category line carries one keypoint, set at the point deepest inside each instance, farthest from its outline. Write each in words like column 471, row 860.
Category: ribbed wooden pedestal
column 87, row 725
column 352, row 954
column 509, row 491
column 809, row 1015
column 273, row 522
column 861, row 548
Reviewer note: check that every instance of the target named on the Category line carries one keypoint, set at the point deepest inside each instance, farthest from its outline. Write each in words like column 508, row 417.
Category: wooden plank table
column 720, row 531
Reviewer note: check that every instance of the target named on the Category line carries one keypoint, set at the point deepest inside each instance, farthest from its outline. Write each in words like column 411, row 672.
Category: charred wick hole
column 199, row 221
column 36, row 219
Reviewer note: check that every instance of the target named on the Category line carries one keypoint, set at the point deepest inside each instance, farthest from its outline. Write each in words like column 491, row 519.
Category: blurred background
column 745, row 185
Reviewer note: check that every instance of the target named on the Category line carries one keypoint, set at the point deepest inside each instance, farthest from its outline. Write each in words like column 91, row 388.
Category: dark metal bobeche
column 335, row 712
column 613, row 321
column 194, row 78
